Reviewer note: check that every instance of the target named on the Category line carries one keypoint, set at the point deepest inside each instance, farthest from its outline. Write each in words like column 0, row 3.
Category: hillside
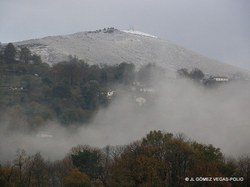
column 112, row 46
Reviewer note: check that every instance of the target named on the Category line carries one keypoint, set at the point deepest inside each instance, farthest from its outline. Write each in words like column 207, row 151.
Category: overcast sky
column 219, row 29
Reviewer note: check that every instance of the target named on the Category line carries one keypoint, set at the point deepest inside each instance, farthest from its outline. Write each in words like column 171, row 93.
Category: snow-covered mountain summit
column 112, row 46
column 140, row 33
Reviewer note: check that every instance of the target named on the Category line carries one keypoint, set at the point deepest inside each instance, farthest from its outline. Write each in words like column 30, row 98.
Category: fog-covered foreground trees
column 159, row 159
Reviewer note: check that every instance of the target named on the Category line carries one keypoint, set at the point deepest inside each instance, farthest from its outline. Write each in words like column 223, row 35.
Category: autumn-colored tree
column 6, row 176
column 88, row 160
column 58, row 170
column 208, row 157
column 161, row 159
column 19, row 163
column 75, row 178
column 244, row 169
column 157, row 160
column 39, row 171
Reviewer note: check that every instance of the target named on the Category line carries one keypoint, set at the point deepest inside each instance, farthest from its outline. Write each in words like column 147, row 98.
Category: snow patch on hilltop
column 139, row 33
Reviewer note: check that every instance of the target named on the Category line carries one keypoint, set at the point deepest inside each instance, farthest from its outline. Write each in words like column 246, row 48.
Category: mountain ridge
column 112, row 46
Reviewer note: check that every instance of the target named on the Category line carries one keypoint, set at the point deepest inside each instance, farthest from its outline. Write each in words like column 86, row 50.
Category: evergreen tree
column 196, row 74
column 25, row 55
column 36, row 59
column 10, row 53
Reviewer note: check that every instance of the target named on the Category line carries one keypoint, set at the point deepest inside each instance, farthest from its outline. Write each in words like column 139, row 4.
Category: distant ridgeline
column 72, row 91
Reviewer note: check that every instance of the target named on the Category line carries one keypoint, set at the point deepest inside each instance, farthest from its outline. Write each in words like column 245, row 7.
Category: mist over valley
column 131, row 87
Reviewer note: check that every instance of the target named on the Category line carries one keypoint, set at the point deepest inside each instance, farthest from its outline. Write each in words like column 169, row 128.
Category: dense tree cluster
column 159, row 159
column 195, row 74
column 11, row 55
column 70, row 91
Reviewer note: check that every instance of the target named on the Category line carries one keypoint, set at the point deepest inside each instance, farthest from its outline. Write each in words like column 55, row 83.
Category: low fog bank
column 218, row 116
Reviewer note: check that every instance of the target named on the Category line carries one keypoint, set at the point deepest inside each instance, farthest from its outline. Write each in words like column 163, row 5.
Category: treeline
column 195, row 74
column 11, row 55
column 70, row 91
column 159, row 159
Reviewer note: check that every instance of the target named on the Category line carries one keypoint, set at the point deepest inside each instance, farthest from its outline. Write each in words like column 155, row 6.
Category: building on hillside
column 215, row 80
